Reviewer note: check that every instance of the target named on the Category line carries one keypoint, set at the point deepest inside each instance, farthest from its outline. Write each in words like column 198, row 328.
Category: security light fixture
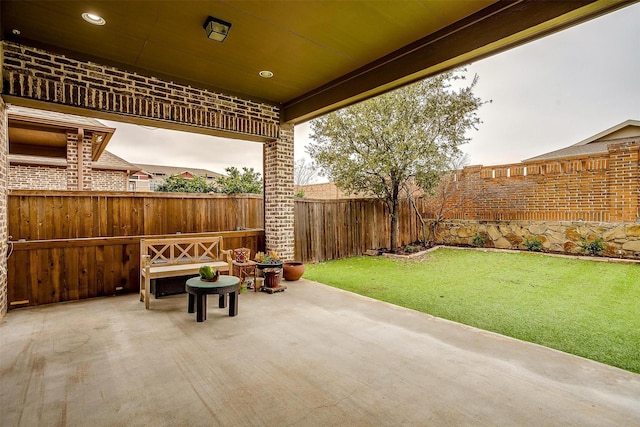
column 216, row 29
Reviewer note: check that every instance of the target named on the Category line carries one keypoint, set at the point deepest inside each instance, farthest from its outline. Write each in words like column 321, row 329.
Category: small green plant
column 532, row 244
column 592, row 248
column 410, row 249
column 478, row 241
column 299, row 194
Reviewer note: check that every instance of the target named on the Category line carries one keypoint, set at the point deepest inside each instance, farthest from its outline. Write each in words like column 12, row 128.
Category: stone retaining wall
column 620, row 239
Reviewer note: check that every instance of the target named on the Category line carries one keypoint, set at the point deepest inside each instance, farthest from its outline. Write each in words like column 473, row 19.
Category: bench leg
column 201, row 308
column 147, row 285
column 233, row 303
column 222, row 300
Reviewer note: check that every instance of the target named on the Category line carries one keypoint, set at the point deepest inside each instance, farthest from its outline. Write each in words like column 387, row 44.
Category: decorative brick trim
column 36, row 74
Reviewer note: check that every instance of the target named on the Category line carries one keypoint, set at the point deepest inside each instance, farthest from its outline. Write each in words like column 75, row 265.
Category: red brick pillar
column 623, row 177
column 278, row 194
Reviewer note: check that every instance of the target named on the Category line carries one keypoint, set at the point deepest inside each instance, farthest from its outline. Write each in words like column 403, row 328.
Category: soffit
column 324, row 54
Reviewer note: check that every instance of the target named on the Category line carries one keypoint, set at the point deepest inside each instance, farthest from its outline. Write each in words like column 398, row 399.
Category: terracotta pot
column 293, row 270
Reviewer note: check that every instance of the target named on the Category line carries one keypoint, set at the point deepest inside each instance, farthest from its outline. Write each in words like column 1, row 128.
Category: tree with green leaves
column 379, row 146
column 180, row 184
column 236, row 182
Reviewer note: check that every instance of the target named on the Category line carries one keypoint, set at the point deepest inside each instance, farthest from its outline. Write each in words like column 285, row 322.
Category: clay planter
column 292, row 270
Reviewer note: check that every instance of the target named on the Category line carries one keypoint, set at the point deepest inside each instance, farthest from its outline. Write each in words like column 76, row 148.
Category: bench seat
column 179, row 256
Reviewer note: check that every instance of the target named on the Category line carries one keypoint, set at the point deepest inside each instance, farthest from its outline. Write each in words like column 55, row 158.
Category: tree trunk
column 394, row 225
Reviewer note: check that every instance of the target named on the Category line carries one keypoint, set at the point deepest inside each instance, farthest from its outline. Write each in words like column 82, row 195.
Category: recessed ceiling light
column 266, row 74
column 16, row 32
column 94, row 19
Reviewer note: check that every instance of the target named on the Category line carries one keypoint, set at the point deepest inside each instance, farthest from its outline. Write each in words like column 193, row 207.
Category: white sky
column 546, row 95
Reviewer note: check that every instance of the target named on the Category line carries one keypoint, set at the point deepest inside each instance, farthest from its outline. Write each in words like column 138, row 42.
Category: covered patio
column 314, row 355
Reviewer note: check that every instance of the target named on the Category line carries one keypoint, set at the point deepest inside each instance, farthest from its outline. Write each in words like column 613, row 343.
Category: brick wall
column 107, row 180
column 278, row 194
column 37, row 74
column 600, row 188
column 4, row 148
column 327, row 190
column 31, row 177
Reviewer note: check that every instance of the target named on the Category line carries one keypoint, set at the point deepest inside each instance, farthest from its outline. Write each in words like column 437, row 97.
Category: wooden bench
column 179, row 256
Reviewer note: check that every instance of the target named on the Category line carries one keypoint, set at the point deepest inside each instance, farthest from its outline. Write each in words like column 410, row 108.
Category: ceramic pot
column 293, row 270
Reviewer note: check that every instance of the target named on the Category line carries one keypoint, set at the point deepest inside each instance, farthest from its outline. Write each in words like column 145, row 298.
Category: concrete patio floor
column 311, row 356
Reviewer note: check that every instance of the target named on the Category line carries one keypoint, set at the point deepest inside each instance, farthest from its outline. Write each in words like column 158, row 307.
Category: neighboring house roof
column 175, row 170
column 44, row 116
column 596, row 144
column 30, row 129
column 107, row 161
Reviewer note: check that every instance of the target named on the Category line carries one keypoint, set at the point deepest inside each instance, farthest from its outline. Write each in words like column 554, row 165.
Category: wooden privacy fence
column 75, row 245
column 43, row 215
column 48, row 271
column 332, row 229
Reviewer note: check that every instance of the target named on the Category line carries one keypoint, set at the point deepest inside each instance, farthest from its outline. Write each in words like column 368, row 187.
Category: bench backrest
column 182, row 250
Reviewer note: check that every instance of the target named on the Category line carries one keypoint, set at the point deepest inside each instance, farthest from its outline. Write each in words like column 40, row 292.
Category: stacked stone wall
column 619, row 239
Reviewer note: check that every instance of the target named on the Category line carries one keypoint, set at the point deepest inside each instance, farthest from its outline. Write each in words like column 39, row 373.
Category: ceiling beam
column 499, row 27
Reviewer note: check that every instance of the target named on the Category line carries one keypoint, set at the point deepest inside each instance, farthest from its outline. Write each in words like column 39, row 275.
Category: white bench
column 179, row 256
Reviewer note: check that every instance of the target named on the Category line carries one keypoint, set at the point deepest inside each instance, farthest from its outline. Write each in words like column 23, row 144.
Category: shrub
column 593, row 248
column 478, row 241
column 410, row 249
column 532, row 244
column 299, row 194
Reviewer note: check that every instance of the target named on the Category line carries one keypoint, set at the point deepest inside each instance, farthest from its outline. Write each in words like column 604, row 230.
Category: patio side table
column 198, row 291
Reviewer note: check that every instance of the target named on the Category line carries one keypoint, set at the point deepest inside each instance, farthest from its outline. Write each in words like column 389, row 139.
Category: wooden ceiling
column 324, row 54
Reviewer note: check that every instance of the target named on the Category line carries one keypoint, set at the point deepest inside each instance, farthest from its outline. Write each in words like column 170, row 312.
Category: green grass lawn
column 587, row 308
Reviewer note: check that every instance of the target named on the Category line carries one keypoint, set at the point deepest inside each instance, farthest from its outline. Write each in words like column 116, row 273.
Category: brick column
column 72, row 161
column 278, row 194
column 79, row 154
column 624, row 181
column 4, row 149
column 87, row 166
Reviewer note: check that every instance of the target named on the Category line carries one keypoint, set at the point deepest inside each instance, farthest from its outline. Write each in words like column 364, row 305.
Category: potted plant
column 292, row 270
column 271, row 267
